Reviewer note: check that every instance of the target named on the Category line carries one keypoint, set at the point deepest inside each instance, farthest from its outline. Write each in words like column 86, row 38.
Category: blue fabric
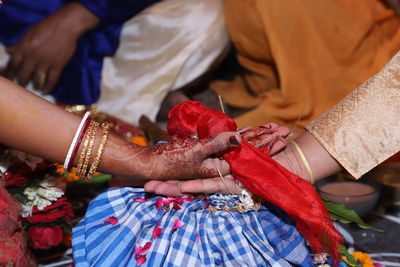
column 221, row 238
column 80, row 80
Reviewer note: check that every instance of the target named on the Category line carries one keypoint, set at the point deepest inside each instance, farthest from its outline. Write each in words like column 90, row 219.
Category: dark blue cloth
column 79, row 82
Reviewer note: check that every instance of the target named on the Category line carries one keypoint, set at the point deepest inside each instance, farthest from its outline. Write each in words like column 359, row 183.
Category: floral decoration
column 364, row 258
column 39, row 188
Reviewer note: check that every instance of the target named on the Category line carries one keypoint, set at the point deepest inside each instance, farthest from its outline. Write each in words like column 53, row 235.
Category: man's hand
column 41, row 55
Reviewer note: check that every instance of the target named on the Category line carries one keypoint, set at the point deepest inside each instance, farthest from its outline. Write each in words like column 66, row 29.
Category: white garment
column 163, row 48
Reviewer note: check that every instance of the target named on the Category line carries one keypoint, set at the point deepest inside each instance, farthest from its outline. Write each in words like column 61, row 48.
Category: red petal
column 177, row 224
column 142, row 250
column 176, row 206
column 112, row 220
column 139, row 199
column 156, row 232
column 146, row 248
column 159, row 203
column 140, row 259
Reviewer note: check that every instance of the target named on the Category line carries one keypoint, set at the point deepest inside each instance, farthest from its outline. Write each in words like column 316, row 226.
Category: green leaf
column 349, row 258
column 340, row 213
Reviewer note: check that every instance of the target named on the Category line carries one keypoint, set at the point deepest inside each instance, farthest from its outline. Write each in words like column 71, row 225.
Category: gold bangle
column 84, row 148
column 89, row 150
column 304, row 160
column 96, row 161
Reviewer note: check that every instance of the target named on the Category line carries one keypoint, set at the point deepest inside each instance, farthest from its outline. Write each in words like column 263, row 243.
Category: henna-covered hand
column 182, row 159
column 270, row 136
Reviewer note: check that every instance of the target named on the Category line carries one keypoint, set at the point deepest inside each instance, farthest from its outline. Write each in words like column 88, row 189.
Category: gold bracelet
column 92, row 139
column 304, row 160
column 96, row 161
column 84, row 148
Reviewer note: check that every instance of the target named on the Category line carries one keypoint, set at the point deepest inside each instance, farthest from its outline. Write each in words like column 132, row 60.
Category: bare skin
column 269, row 135
column 45, row 49
column 36, row 126
column 322, row 164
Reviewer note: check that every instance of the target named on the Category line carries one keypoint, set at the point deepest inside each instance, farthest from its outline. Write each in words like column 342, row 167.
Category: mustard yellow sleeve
column 363, row 130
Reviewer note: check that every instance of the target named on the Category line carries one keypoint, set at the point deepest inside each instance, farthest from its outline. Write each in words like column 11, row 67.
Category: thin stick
column 221, row 103
column 219, row 172
column 299, row 117
column 222, row 178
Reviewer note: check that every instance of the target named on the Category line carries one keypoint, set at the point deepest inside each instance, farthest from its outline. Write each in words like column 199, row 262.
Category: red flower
column 18, row 175
column 43, row 237
column 61, row 209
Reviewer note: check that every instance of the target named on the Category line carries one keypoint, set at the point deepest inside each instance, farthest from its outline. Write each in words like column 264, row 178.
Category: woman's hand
column 191, row 158
column 182, row 159
column 270, row 136
column 41, row 55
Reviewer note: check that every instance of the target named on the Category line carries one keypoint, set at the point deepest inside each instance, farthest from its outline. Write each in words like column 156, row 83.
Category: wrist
column 321, row 163
column 76, row 19
column 124, row 159
column 290, row 159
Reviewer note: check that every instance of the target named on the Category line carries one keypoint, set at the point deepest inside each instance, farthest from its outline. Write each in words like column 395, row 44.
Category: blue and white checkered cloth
column 222, row 238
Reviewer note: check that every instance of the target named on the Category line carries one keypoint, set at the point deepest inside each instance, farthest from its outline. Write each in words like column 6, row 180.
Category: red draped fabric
column 262, row 175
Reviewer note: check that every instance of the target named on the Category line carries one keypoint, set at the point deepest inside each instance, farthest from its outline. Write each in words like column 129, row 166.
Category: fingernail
column 233, row 141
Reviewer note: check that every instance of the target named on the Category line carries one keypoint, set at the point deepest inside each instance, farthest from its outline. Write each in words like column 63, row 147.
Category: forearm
column 362, row 130
column 75, row 18
column 36, row 126
column 321, row 163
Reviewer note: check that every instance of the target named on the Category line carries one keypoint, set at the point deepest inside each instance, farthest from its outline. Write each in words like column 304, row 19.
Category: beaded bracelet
column 77, row 140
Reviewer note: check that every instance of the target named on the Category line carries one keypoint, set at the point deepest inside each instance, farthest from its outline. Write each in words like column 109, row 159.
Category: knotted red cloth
column 263, row 176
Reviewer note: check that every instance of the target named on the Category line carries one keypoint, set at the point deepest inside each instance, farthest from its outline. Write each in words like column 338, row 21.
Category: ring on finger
column 40, row 78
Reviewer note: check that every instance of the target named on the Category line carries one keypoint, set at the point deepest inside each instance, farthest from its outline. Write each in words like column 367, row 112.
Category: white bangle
column 77, row 134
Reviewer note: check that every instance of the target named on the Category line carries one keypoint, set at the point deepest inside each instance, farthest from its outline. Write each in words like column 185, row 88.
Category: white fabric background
column 163, row 48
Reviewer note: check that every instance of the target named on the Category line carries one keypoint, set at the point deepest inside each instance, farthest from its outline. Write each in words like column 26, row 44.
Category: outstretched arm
column 34, row 125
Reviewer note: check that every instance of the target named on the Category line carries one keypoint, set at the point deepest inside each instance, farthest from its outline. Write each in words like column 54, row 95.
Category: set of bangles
column 86, row 134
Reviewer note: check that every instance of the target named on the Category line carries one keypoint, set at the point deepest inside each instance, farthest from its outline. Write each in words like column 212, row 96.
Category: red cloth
column 263, row 176
column 13, row 249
